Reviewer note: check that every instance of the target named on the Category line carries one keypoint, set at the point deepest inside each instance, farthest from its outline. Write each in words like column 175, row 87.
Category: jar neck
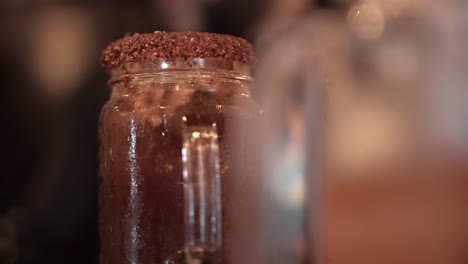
column 180, row 69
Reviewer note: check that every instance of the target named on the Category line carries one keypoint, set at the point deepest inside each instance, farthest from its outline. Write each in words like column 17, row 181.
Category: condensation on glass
column 171, row 188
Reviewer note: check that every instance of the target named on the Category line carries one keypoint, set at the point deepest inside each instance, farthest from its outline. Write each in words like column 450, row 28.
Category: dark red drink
column 146, row 214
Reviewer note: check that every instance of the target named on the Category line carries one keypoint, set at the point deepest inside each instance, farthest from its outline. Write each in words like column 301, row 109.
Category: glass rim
column 216, row 66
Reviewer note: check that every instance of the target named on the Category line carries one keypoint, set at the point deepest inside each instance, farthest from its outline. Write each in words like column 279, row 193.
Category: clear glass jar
column 169, row 190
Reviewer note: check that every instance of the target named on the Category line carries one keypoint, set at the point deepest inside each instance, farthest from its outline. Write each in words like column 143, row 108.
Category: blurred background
column 53, row 89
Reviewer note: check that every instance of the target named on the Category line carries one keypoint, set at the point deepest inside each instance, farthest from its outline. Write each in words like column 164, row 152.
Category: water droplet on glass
column 366, row 20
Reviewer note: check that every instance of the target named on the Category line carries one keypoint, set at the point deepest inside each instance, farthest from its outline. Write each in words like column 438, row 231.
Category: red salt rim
column 175, row 45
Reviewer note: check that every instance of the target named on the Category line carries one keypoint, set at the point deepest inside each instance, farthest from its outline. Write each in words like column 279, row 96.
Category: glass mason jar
column 170, row 189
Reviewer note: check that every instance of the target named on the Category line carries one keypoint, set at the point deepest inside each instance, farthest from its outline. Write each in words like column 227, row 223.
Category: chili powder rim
column 175, row 45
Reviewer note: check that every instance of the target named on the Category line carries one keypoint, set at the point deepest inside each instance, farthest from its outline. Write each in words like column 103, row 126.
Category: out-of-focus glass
column 367, row 108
